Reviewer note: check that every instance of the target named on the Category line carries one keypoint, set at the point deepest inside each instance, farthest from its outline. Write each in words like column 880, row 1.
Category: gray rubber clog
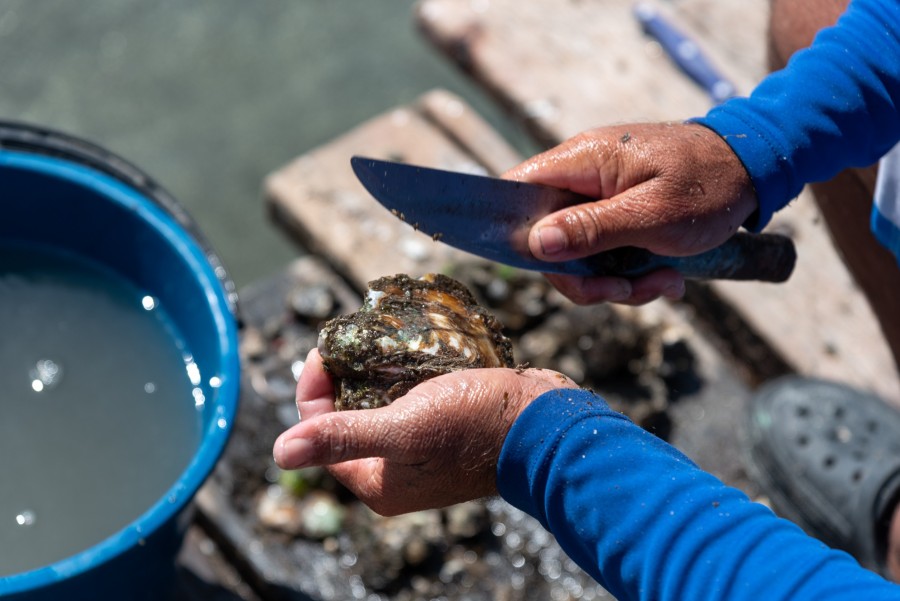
column 828, row 458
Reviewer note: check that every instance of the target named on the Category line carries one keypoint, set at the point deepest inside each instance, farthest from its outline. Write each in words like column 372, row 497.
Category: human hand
column 436, row 446
column 674, row 189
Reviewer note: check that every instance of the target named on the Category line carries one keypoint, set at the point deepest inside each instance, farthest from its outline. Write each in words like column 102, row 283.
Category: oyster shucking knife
column 491, row 218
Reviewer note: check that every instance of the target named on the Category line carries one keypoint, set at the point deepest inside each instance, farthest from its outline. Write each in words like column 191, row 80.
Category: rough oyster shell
column 408, row 330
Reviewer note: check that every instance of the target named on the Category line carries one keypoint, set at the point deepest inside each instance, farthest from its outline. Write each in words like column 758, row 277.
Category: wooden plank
column 205, row 574
column 819, row 321
column 319, row 201
column 468, row 130
column 567, row 67
column 564, row 67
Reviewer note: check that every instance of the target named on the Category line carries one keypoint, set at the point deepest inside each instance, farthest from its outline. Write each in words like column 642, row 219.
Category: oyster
column 408, row 330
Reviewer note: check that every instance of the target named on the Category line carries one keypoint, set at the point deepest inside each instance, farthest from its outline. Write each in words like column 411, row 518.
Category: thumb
column 635, row 217
column 335, row 437
column 403, row 431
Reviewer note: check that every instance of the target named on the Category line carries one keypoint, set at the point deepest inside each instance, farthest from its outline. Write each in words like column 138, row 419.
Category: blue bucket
column 63, row 192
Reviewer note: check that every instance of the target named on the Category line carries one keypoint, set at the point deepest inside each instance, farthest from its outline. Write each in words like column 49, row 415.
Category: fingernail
column 553, row 240
column 294, row 453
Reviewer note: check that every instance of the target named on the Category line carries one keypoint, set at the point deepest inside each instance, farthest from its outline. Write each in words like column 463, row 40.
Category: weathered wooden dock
column 559, row 67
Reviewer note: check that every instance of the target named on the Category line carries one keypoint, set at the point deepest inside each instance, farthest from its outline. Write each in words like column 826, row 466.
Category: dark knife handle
column 763, row 257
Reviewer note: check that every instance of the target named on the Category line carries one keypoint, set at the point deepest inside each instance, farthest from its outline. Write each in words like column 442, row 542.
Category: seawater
column 98, row 413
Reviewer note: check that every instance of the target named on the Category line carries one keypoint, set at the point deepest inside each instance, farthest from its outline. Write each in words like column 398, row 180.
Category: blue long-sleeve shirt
column 647, row 523
column 635, row 513
column 834, row 106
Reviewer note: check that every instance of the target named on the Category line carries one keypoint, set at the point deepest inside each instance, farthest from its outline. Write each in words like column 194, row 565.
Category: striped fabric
column 886, row 209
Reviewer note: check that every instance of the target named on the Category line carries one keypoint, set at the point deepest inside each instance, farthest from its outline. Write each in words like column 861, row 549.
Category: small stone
column 466, row 520
column 312, row 302
column 322, row 515
column 253, row 344
column 279, row 511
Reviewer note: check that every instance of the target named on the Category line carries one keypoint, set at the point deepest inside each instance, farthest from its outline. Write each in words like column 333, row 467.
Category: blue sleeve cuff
column 529, row 449
column 767, row 165
column 833, row 106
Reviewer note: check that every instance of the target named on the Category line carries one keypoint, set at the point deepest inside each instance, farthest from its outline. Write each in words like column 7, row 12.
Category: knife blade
column 491, row 217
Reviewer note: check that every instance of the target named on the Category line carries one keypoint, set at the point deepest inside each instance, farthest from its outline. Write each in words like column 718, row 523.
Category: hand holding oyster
column 408, row 330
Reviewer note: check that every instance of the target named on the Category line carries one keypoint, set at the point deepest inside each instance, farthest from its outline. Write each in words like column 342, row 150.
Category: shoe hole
column 839, row 413
column 803, row 440
column 802, row 411
column 857, row 475
column 872, row 426
column 829, row 462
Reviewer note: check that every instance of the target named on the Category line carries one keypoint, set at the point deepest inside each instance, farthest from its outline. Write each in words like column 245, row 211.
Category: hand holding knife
column 491, row 218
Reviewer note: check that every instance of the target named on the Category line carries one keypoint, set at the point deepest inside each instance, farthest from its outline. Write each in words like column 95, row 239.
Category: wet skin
column 435, row 446
column 675, row 189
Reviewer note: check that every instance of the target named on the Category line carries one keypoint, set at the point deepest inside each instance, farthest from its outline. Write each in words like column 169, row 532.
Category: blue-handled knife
column 684, row 52
column 491, row 218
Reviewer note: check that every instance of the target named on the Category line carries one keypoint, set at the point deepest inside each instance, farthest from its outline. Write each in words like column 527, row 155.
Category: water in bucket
column 100, row 408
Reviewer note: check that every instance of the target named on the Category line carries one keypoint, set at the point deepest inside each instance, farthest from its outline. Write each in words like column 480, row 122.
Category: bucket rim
column 20, row 136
